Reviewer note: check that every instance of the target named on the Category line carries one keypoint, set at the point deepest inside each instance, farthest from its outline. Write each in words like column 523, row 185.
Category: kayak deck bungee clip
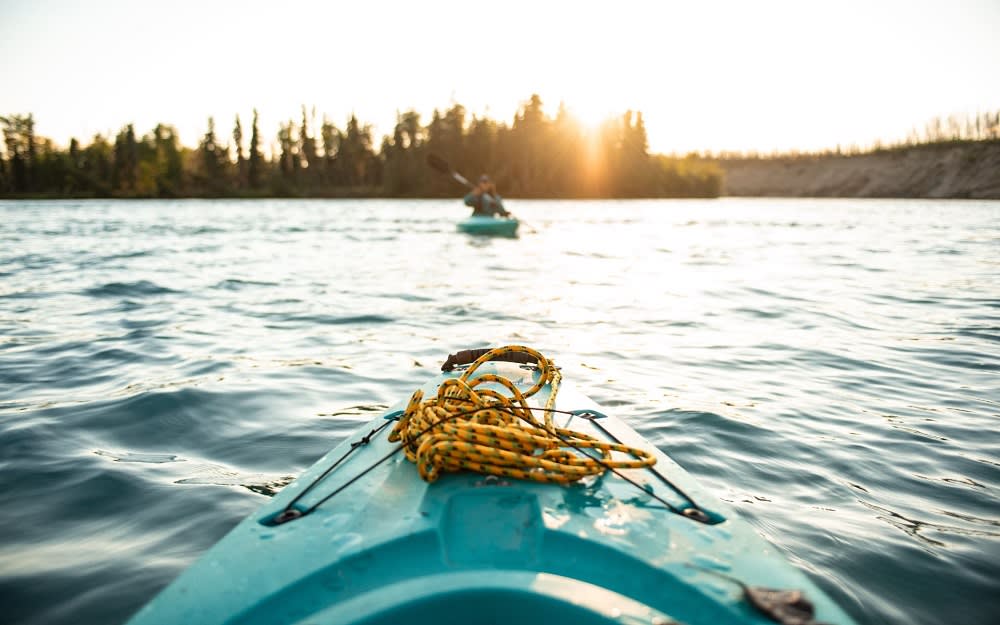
column 290, row 513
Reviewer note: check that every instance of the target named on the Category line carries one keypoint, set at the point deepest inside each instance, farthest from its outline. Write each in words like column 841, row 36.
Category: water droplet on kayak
column 710, row 562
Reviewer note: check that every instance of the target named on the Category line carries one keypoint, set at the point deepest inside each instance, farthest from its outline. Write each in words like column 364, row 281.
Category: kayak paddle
column 441, row 165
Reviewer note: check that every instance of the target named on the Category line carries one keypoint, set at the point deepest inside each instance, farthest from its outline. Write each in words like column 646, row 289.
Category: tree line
column 535, row 155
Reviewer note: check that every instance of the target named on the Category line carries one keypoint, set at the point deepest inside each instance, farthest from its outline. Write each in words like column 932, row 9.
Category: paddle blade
column 438, row 163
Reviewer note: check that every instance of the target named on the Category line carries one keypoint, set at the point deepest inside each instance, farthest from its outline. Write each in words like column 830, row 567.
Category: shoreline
column 954, row 170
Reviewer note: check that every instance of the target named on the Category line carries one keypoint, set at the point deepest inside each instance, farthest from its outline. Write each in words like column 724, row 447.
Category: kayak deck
column 470, row 548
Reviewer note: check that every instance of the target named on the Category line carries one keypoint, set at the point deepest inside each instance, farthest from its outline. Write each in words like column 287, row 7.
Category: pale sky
column 707, row 74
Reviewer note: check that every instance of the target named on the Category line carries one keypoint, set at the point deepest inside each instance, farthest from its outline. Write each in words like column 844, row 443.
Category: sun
column 590, row 113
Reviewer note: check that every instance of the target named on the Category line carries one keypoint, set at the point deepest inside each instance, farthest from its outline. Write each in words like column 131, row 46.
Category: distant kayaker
column 484, row 200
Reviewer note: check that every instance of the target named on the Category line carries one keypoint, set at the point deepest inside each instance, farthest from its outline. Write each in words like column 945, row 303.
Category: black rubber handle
column 469, row 356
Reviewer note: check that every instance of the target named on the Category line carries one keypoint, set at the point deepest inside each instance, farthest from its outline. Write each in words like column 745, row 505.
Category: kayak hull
column 476, row 549
column 489, row 226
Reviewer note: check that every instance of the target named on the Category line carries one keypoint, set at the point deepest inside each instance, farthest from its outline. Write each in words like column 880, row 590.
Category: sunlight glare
column 591, row 112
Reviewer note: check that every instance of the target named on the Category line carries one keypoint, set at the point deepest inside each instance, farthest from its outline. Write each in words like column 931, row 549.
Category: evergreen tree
column 214, row 159
column 307, row 151
column 240, row 160
column 529, row 134
column 402, row 161
column 97, row 166
column 169, row 167
column 355, row 155
column 331, row 138
column 124, row 175
column 480, row 146
column 288, row 163
column 18, row 131
column 74, row 179
column 255, row 158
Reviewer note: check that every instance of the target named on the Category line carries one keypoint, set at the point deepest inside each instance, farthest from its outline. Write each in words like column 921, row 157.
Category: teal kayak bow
column 361, row 538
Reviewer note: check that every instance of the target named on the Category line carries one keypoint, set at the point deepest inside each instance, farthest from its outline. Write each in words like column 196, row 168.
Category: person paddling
column 484, row 200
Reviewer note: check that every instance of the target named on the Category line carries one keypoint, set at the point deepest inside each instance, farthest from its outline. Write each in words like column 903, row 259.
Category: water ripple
column 139, row 288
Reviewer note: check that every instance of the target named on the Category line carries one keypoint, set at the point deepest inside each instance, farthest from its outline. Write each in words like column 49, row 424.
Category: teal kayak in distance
column 360, row 538
column 490, row 226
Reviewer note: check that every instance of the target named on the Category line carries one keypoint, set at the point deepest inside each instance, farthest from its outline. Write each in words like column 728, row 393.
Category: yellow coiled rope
column 466, row 427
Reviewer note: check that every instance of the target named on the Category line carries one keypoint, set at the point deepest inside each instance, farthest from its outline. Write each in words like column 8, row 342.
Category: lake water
column 829, row 367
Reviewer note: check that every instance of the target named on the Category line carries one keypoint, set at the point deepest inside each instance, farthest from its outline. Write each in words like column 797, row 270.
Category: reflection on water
column 828, row 367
